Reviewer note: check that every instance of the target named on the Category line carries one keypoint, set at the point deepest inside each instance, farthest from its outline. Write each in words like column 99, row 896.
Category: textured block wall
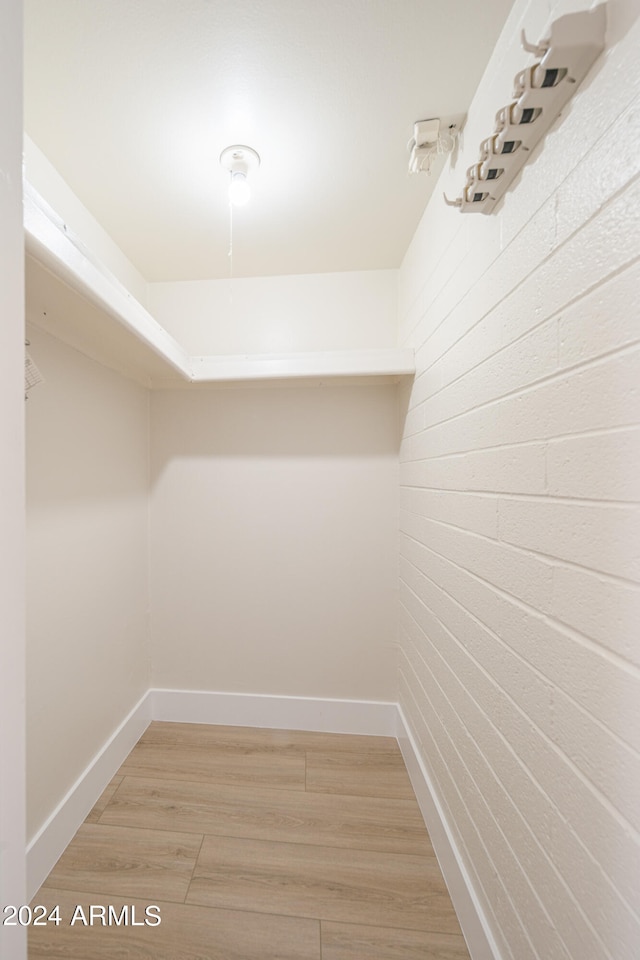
column 519, row 633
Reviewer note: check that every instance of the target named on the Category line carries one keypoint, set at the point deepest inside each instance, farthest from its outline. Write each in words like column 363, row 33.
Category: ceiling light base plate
column 239, row 159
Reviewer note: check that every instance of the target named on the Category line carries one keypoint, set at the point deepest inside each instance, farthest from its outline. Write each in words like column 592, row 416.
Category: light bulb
column 239, row 189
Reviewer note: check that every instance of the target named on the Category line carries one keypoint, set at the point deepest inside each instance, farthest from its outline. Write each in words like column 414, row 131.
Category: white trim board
column 369, row 717
column 365, row 717
column 58, row 830
column 473, row 921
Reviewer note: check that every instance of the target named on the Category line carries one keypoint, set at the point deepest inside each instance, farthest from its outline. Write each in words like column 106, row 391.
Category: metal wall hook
column 537, row 49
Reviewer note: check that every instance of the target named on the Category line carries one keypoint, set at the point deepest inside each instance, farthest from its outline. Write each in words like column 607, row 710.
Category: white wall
column 520, row 663
column 87, row 586
column 274, row 540
column 326, row 311
column 12, row 683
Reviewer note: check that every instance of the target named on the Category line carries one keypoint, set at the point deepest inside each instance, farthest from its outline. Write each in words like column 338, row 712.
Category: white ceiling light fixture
column 240, row 161
column 431, row 139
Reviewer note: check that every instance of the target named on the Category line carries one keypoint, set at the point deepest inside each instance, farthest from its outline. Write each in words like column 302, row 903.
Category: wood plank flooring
column 253, row 845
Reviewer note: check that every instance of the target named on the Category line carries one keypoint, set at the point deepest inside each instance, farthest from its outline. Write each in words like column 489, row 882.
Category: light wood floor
column 255, row 845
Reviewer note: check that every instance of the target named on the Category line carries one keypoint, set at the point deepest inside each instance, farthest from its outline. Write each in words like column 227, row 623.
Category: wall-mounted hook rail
column 539, row 95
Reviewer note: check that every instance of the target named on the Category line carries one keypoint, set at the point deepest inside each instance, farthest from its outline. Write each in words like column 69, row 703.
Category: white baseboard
column 52, row 838
column 473, row 921
column 371, row 718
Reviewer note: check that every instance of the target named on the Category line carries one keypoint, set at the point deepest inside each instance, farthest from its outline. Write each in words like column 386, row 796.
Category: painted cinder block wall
column 519, row 660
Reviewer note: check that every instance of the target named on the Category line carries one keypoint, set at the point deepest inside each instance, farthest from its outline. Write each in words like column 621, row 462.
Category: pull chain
column 230, row 254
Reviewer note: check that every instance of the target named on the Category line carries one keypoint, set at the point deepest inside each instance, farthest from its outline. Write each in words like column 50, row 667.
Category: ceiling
column 134, row 100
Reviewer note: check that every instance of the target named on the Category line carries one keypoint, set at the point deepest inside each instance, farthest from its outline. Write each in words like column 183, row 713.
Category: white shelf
column 70, row 294
column 320, row 365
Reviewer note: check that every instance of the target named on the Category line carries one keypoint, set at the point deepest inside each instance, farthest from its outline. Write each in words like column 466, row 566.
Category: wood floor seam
column 259, row 845
column 96, row 896
column 322, row 846
column 195, row 863
column 99, row 897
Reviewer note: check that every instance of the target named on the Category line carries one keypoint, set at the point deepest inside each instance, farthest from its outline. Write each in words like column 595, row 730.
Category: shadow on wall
column 274, row 523
column 321, row 421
